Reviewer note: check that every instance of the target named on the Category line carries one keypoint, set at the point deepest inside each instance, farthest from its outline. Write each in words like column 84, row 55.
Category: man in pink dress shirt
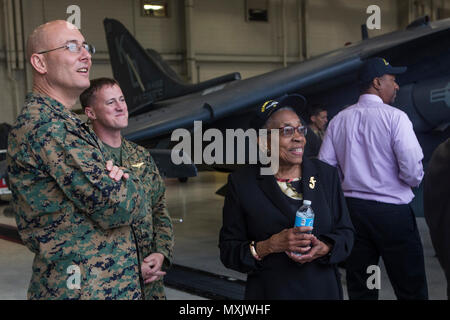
column 379, row 159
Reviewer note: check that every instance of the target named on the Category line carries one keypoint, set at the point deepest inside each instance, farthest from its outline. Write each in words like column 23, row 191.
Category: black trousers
column 389, row 231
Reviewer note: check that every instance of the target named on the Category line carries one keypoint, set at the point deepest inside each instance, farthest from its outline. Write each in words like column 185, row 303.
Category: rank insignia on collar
column 312, row 182
column 137, row 165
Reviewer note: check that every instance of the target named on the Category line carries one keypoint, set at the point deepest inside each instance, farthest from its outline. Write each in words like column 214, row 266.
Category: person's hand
column 319, row 249
column 293, row 239
column 151, row 267
column 116, row 173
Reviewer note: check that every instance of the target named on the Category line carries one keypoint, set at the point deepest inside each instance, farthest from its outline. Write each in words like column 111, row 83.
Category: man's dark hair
column 96, row 84
column 316, row 109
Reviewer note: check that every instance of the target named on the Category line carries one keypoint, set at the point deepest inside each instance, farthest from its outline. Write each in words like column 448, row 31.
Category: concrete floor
column 15, row 266
column 197, row 214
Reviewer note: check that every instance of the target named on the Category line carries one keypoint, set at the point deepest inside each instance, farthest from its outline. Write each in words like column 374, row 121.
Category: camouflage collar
column 128, row 149
column 58, row 108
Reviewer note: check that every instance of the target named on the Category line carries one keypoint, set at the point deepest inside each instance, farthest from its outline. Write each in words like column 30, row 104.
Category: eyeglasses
column 289, row 131
column 74, row 47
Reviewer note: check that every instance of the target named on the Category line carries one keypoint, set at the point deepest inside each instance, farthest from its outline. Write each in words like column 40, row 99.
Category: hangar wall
column 220, row 41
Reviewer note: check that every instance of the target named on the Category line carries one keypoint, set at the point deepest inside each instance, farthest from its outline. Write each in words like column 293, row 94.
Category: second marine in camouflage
column 104, row 104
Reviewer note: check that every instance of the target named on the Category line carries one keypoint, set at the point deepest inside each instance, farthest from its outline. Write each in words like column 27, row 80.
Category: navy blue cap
column 377, row 67
column 296, row 101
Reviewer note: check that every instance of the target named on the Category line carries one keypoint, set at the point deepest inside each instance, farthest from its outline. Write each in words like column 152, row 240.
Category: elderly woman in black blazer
column 258, row 235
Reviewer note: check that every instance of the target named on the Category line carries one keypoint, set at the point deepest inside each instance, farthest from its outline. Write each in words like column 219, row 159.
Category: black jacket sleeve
column 233, row 240
column 342, row 234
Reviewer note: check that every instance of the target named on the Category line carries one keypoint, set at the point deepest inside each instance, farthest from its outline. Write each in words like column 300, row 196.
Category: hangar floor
column 197, row 213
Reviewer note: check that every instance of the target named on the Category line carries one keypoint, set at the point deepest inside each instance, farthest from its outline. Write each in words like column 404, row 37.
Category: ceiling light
column 153, row 7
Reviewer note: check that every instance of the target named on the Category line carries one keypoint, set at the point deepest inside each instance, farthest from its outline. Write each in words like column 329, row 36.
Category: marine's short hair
column 88, row 95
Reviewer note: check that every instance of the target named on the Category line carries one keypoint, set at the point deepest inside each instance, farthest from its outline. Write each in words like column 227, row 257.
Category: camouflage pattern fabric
column 74, row 217
column 154, row 233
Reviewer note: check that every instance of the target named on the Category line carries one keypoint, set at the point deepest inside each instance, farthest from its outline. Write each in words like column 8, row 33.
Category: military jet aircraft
column 160, row 102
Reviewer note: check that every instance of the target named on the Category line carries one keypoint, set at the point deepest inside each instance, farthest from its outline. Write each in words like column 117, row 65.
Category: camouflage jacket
column 74, row 218
column 154, row 233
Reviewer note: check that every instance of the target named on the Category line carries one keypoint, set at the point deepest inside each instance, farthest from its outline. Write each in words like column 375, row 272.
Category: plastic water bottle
column 304, row 217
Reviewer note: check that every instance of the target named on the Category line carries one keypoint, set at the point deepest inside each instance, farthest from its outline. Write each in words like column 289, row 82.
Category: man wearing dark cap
column 379, row 159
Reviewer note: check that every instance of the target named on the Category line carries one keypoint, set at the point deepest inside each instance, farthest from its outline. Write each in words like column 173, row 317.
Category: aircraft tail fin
column 142, row 74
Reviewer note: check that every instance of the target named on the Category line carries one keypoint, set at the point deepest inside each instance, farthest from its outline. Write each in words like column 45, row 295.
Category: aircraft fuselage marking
column 442, row 94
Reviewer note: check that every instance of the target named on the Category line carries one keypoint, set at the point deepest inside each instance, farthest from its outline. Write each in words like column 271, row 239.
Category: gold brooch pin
column 137, row 165
column 312, row 182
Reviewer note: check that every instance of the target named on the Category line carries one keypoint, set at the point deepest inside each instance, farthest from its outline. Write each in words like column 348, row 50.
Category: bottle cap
column 307, row 202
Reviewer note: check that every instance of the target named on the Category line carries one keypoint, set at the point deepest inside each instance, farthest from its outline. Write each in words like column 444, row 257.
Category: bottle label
column 304, row 222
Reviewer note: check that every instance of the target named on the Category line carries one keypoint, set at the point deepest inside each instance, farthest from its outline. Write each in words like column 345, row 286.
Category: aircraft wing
column 223, row 100
column 168, row 169
column 235, row 97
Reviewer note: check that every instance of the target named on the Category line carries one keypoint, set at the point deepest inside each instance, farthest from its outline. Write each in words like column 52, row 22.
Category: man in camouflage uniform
column 104, row 104
column 74, row 208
